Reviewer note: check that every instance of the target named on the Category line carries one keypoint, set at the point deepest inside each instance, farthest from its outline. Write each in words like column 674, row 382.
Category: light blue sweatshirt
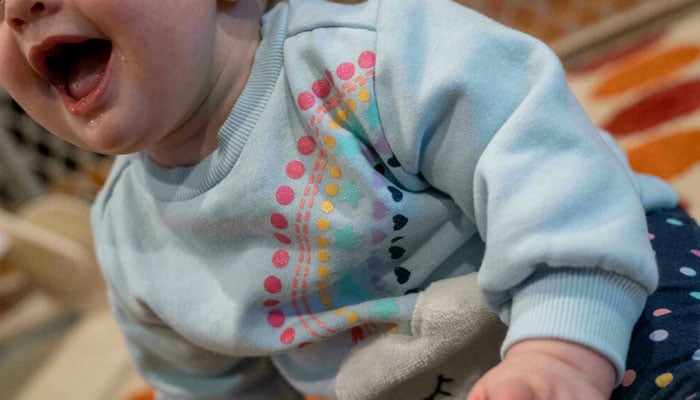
column 375, row 149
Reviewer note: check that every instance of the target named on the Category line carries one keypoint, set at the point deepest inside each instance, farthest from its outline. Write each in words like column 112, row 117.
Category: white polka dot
column 675, row 222
column 659, row 335
column 696, row 355
column 688, row 271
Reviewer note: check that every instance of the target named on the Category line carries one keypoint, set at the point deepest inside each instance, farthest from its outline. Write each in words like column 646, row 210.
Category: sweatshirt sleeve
column 179, row 370
column 484, row 114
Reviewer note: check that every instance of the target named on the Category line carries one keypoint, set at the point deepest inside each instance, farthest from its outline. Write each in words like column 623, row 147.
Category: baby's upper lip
column 38, row 53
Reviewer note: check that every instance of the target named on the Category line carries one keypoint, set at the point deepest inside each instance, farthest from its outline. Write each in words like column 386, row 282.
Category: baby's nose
column 20, row 13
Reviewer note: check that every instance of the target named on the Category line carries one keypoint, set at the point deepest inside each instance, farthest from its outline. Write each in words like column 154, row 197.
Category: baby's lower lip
column 94, row 99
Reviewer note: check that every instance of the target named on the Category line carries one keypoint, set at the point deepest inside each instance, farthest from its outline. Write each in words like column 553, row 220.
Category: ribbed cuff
column 594, row 308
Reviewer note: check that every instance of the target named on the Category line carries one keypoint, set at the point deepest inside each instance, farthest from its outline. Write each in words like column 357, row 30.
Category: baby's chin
column 103, row 141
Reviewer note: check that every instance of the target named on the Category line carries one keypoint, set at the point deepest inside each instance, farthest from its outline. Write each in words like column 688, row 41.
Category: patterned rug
column 647, row 94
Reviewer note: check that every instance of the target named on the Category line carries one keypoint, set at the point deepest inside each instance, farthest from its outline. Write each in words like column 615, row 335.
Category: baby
column 318, row 200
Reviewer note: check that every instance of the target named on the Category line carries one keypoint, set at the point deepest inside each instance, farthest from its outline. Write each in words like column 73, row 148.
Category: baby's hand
column 544, row 369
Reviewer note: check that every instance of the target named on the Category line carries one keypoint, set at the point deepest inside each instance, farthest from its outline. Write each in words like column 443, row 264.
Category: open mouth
column 77, row 68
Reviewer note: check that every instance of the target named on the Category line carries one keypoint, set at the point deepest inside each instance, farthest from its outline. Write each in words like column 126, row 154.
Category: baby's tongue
column 86, row 71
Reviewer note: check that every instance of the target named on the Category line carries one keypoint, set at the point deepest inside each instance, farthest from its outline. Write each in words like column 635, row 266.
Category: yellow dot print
column 350, row 104
column 329, row 141
column 326, row 299
column 336, row 172
column 322, row 271
column 393, row 328
column 352, row 318
column 322, row 285
column 332, row 189
column 363, row 95
column 323, row 224
column 341, row 116
column 333, row 125
column 322, row 241
column 664, row 380
column 322, row 255
column 341, row 311
column 327, row 206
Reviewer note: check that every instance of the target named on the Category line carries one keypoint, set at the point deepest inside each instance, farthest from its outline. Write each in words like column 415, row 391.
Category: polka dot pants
column 664, row 357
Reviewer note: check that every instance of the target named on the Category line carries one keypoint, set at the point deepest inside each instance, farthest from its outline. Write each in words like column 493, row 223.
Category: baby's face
column 112, row 76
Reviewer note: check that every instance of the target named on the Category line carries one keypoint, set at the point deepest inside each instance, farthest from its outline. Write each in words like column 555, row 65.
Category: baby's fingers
column 504, row 390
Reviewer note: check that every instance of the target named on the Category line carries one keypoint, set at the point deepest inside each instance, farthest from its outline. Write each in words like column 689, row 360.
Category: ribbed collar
column 177, row 184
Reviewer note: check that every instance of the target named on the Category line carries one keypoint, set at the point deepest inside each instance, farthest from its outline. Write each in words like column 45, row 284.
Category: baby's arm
column 567, row 250
column 544, row 369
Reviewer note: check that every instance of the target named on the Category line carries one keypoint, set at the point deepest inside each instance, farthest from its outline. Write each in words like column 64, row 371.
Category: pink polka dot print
column 270, row 303
column 275, row 318
column 321, row 88
column 273, row 284
column 279, row 221
column 629, row 378
column 282, row 238
column 284, row 195
column 367, row 59
column 280, row 259
column 660, row 312
column 323, row 97
column 345, row 71
column 287, row 336
column 306, row 100
column 295, row 169
column 306, row 145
